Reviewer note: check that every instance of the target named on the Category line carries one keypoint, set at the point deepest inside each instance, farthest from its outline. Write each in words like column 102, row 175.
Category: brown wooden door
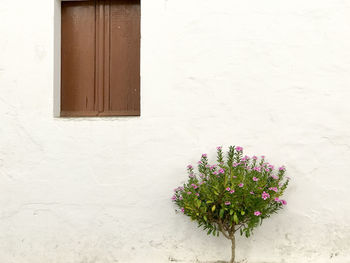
column 100, row 58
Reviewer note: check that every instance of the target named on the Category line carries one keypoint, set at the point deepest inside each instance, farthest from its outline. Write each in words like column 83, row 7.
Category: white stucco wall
column 272, row 76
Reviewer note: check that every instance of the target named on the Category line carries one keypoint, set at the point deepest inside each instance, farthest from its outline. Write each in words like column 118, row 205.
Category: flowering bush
column 236, row 194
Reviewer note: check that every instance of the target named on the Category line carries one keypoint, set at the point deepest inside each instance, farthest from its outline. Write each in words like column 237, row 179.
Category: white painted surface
column 272, row 76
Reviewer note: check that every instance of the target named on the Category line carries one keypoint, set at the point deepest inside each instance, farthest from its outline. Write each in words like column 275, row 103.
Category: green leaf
column 242, row 213
column 235, row 218
column 213, row 208
column 221, row 214
column 231, row 212
column 209, row 202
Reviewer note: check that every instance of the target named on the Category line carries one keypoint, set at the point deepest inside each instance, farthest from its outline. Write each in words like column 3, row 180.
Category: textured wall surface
column 272, row 76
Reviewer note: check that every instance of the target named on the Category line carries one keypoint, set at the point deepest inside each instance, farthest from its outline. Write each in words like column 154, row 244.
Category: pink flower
column 282, row 168
column 189, row 193
column 189, row 166
column 215, row 173
column 262, row 157
column 232, row 191
column 241, row 185
column 235, row 164
column 183, row 210
column 219, row 148
column 271, row 167
column 234, row 176
column 274, row 177
column 191, row 175
column 194, row 186
column 254, row 157
column 212, row 167
column 228, row 189
column 245, row 158
column 204, row 155
column 199, row 162
column 275, row 189
column 257, row 213
column 180, row 197
column 255, row 179
column 257, row 168
column 251, row 193
column 221, row 171
column 283, row 202
column 265, row 195
column 227, row 203
column 196, row 194
column 180, row 188
column 174, row 198
column 239, row 149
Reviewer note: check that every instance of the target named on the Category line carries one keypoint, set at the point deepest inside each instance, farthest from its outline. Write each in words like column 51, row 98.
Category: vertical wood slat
column 78, row 65
column 125, row 56
column 116, row 54
column 100, row 58
column 107, row 33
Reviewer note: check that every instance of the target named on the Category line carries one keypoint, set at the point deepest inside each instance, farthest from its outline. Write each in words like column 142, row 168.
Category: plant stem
column 233, row 240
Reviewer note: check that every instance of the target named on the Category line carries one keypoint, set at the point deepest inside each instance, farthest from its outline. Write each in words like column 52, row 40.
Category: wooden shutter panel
column 100, row 58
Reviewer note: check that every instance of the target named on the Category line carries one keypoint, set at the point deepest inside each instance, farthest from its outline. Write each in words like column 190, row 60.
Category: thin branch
column 222, row 230
column 239, row 227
